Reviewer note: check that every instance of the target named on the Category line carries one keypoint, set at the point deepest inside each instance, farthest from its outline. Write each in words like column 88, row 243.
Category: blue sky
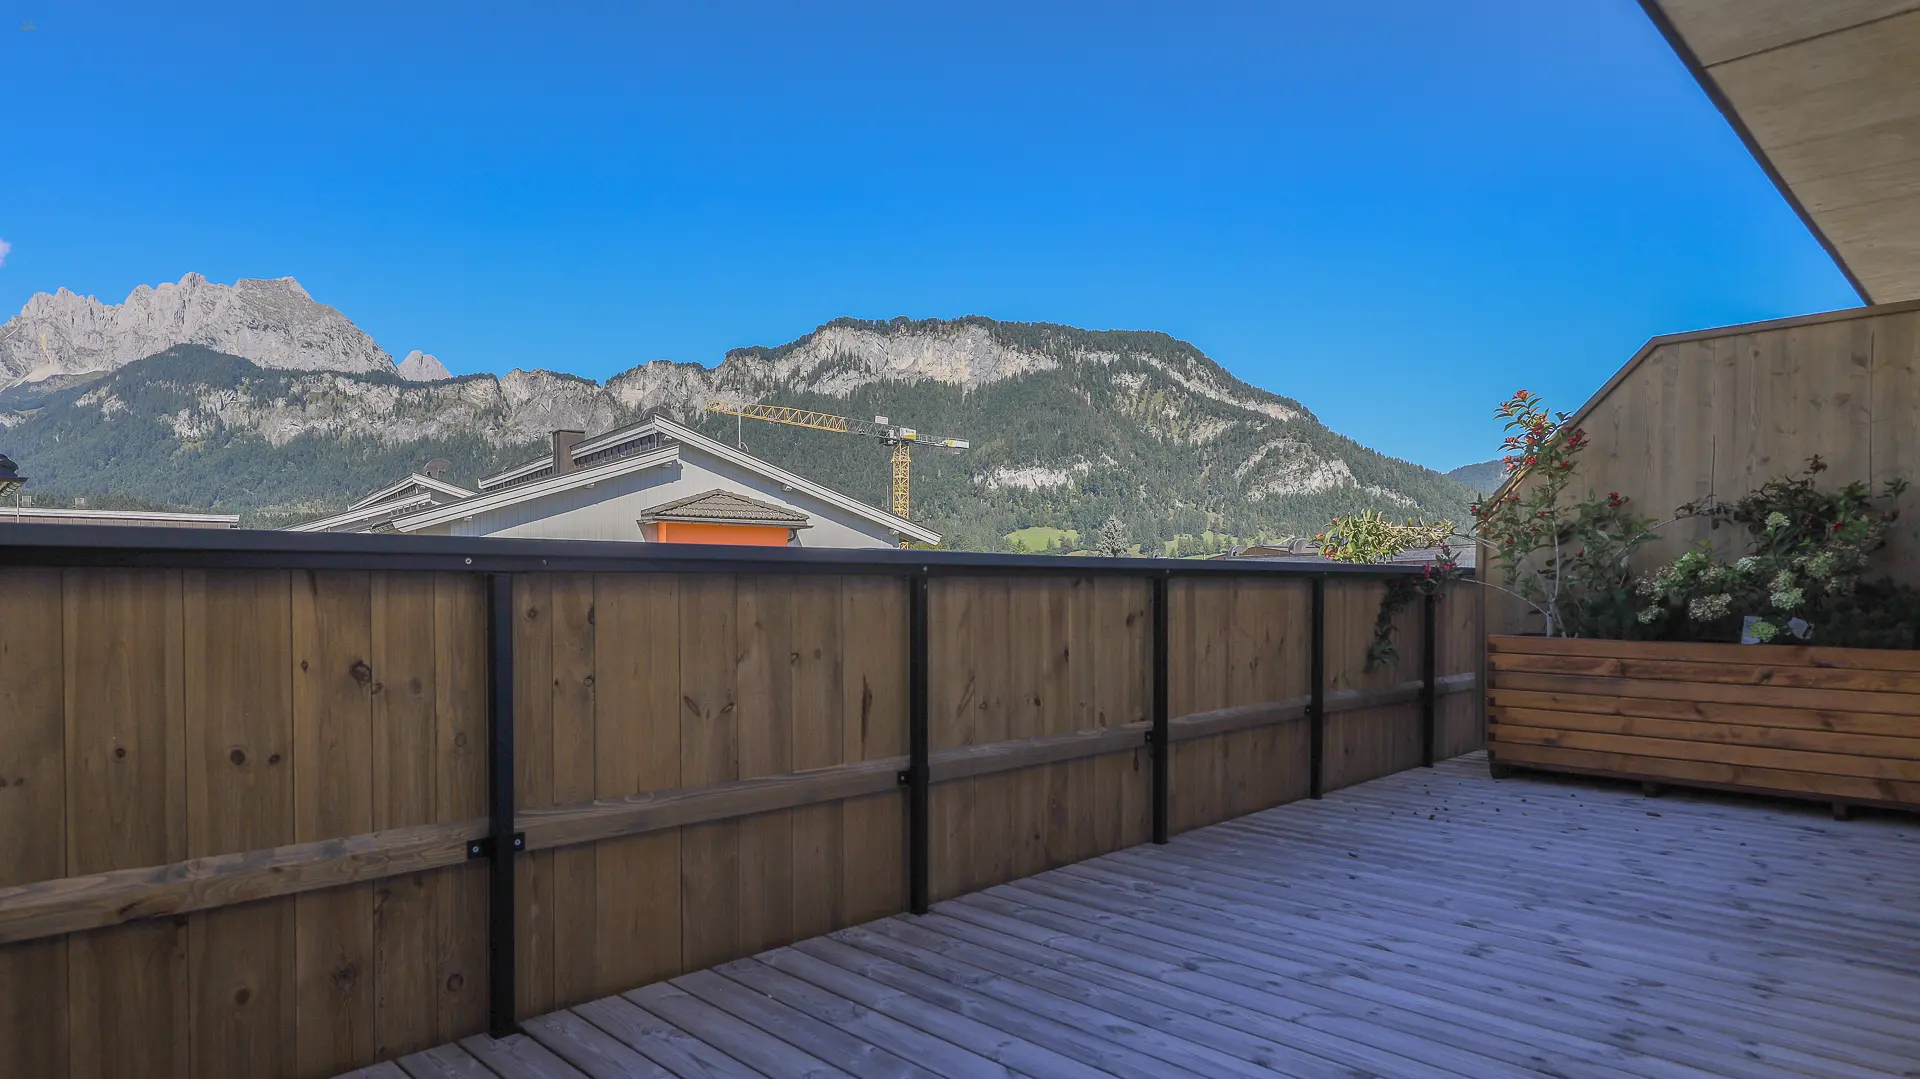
column 1397, row 217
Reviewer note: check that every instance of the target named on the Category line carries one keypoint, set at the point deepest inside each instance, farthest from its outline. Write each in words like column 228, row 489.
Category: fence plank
column 638, row 738
column 333, row 796
column 536, row 689
column 239, row 685
column 569, row 878
column 709, row 753
column 955, row 707
column 763, row 675
column 404, row 928
column 460, row 793
column 33, row 814
column 816, row 892
column 874, row 617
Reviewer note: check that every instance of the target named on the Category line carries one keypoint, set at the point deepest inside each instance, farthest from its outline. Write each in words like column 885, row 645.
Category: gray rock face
column 423, row 367
column 273, row 323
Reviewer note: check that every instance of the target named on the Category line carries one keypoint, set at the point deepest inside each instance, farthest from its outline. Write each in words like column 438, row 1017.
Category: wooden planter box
column 1839, row 725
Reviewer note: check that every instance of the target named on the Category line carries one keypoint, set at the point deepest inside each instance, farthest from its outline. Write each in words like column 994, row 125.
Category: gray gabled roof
column 725, row 507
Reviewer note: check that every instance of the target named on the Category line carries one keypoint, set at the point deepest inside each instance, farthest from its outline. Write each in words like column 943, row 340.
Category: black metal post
column 1429, row 690
column 503, row 844
column 1317, row 703
column 918, row 776
column 1161, row 746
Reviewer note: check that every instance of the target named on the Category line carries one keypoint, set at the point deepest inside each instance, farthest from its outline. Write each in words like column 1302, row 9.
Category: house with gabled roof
column 652, row 481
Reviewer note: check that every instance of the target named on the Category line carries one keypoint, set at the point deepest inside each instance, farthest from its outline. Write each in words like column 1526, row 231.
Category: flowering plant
column 1566, row 557
column 1803, row 576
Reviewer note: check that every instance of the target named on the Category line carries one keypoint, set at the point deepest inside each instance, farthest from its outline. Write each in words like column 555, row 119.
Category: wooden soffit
column 1826, row 93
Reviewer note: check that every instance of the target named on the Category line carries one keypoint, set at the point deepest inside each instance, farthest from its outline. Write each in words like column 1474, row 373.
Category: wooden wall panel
column 1234, row 643
column 1015, row 658
column 660, row 683
column 1722, row 412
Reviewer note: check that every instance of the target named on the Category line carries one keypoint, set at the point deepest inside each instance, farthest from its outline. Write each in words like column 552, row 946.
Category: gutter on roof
column 1720, row 101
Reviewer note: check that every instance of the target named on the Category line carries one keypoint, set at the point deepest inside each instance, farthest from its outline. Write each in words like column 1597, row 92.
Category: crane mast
column 901, row 438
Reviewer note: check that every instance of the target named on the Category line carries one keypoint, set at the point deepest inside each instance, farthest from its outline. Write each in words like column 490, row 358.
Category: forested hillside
column 1069, row 427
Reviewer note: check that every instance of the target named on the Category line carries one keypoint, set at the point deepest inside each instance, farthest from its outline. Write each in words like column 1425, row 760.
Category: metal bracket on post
column 918, row 776
column 1317, row 703
column 1157, row 737
column 502, row 843
column 1429, row 688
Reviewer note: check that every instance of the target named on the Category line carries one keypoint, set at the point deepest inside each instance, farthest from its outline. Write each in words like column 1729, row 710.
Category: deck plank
column 444, row 1062
column 1434, row 924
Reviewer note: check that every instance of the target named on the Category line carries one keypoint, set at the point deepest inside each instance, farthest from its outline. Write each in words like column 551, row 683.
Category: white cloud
column 4, row 248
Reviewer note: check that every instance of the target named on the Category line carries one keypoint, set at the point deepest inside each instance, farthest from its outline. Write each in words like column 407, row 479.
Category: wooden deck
column 1432, row 923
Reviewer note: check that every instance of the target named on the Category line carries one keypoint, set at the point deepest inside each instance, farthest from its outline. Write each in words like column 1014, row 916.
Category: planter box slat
column 1777, row 655
column 1720, row 776
column 1816, row 719
column 1791, row 760
column 1840, row 725
column 1718, row 692
column 1813, row 741
column 1671, row 670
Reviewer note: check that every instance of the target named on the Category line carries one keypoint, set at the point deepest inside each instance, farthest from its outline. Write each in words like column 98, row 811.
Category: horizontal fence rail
column 287, row 808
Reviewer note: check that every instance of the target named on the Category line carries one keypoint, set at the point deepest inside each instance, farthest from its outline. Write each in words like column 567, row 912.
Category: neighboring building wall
column 1719, row 412
column 611, row 509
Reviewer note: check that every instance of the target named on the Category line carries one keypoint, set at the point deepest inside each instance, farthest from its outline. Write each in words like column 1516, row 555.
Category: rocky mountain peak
column 422, row 367
column 273, row 322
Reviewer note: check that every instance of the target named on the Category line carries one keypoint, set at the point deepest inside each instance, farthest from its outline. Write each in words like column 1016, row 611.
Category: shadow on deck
column 1431, row 923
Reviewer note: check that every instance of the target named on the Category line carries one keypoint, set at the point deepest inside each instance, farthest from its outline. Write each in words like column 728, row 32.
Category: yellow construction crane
column 900, row 438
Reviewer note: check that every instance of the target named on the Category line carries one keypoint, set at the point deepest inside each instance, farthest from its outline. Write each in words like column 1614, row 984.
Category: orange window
column 736, row 535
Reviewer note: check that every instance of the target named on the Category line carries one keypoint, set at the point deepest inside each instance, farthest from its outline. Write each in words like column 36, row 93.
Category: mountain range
column 254, row 398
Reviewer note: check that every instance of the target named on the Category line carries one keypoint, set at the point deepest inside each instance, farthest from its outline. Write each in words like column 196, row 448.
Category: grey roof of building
column 725, row 507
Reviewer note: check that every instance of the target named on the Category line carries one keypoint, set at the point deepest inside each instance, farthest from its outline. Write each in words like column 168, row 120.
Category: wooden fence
column 245, row 781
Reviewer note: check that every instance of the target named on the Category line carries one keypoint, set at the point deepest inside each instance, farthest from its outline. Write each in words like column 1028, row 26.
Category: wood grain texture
column 637, row 644
column 1723, row 715
column 567, row 881
column 271, row 878
column 33, row 813
column 460, row 786
column 1725, row 411
column 333, row 797
column 1535, row 919
column 241, row 796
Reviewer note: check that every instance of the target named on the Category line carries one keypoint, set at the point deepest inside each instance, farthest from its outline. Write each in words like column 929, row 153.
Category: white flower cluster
column 1709, row 608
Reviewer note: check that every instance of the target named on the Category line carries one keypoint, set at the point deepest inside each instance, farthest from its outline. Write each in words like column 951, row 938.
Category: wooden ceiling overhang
column 1826, row 94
